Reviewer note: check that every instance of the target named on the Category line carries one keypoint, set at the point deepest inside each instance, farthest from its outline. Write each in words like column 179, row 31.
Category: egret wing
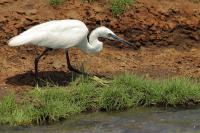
column 53, row 34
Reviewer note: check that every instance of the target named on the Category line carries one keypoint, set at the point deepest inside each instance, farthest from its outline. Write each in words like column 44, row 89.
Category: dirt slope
column 166, row 32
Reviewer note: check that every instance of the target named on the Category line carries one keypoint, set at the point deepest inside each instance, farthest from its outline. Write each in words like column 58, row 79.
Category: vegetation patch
column 50, row 104
column 119, row 6
column 55, row 2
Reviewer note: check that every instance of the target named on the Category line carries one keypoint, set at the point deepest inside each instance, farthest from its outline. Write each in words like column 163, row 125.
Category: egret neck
column 94, row 45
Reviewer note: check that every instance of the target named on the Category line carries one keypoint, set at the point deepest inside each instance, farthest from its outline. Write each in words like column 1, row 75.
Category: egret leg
column 37, row 58
column 70, row 67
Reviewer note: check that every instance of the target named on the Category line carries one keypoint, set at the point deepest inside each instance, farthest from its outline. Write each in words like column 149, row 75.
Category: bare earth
column 167, row 35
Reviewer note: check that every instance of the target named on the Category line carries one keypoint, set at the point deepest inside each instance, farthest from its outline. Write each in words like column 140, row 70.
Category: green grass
column 117, row 6
column 120, row 6
column 55, row 2
column 55, row 103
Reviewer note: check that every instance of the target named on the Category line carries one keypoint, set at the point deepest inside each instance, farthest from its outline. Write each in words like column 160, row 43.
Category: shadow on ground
column 59, row 78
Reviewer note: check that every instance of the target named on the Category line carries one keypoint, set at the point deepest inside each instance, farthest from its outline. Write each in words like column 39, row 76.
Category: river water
column 139, row 120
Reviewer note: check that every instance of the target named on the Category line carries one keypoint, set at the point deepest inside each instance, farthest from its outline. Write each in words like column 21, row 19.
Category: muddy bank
column 166, row 32
column 153, row 22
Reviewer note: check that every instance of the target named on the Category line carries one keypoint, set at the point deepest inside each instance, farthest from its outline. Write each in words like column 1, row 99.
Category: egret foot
column 99, row 80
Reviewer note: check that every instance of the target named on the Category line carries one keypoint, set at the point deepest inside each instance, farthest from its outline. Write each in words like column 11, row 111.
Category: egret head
column 108, row 34
column 102, row 32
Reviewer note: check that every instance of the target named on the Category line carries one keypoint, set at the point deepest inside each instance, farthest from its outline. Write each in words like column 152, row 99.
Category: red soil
column 166, row 32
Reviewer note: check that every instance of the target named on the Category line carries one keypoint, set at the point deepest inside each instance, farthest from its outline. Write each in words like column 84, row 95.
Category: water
column 140, row 120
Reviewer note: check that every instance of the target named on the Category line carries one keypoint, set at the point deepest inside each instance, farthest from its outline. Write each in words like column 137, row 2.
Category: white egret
column 63, row 34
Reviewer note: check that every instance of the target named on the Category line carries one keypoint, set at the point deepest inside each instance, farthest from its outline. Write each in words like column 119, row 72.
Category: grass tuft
column 119, row 6
column 125, row 91
column 85, row 96
column 180, row 91
column 55, row 2
column 113, row 98
column 51, row 104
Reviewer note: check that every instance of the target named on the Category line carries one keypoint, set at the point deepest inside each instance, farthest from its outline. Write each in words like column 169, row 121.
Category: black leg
column 70, row 66
column 37, row 58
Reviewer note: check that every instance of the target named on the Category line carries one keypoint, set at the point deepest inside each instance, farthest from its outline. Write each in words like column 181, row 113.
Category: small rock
column 32, row 12
column 20, row 12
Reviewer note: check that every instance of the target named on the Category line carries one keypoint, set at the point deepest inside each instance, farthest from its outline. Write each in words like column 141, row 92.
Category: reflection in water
column 140, row 120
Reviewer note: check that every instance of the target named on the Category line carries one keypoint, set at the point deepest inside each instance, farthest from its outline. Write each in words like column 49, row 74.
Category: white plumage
column 54, row 34
column 63, row 34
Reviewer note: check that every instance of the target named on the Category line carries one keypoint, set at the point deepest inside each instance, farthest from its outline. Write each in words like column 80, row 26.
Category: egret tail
column 19, row 40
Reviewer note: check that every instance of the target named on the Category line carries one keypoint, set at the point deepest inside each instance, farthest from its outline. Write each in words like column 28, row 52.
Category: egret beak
column 121, row 40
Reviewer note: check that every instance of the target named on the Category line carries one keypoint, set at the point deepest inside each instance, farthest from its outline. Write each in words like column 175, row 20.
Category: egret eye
column 109, row 34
